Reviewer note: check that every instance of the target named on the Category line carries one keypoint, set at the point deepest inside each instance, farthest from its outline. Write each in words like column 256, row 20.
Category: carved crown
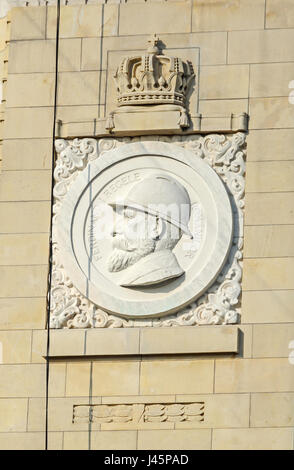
column 153, row 78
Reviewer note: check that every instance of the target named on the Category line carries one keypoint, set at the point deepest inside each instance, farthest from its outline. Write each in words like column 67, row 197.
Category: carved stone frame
column 221, row 302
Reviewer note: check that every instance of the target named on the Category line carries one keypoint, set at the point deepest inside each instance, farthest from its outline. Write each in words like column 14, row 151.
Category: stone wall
column 246, row 62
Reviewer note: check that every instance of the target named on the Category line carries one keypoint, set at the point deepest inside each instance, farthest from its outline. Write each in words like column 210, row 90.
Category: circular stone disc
column 86, row 221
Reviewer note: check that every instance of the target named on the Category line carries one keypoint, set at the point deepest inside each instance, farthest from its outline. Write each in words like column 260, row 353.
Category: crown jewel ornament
column 153, row 78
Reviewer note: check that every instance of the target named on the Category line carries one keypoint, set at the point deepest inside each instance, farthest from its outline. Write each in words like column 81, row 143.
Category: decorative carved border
column 139, row 416
column 220, row 304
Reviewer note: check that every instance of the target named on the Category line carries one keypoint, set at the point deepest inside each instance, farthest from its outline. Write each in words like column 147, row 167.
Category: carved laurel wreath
column 220, row 304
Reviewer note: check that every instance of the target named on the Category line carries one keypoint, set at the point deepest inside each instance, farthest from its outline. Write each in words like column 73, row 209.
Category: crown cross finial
column 153, row 43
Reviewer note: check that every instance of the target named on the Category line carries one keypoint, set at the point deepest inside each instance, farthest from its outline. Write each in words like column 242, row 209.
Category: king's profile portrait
column 148, row 224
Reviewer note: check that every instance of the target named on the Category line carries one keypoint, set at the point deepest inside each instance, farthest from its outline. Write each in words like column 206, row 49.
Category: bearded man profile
column 149, row 224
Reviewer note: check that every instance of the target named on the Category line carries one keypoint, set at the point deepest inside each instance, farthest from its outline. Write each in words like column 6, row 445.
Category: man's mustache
column 121, row 243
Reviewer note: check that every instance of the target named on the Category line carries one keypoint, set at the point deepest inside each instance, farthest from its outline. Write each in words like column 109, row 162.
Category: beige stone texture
column 267, row 113
column 198, row 439
column 139, row 399
column 268, row 273
column 269, row 177
column 55, row 440
column 77, row 113
column 13, row 414
column 262, row 241
column 67, row 342
column 176, row 376
column 270, row 144
column 253, row 375
column 25, row 185
column 60, row 414
column 269, row 208
column 135, row 426
column 272, row 409
column 31, row 248
column 222, row 15
column 39, row 56
column 224, row 81
column 39, row 343
column 272, row 340
column 220, row 410
column 30, row 441
column 22, row 313
column 279, row 14
column 274, row 306
column 78, row 88
column 28, row 123
column 30, row 89
column 213, row 46
column 57, row 379
column 78, row 379
column 262, row 46
column 252, row 439
column 28, row 23
column 159, row 17
column 23, row 281
column 27, row 154
column 72, row 129
column 26, row 380
column 24, row 217
column 15, row 346
column 222, row 107
column 36, row 415
column 112, row 341
column 3, row 32
column 91, row 54
column 270, row 79
column 103, row 440
column 83, row 21
column 119, row 378
column 187, row 340
column 63, row 343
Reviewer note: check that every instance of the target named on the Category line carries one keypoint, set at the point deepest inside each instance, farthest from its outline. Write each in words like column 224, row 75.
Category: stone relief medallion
column 149, row 233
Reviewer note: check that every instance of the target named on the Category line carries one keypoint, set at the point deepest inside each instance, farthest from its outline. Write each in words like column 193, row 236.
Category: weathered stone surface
column 83, row 21
column 270, row 177
column 262, row 46
column 252, row 439
column 38, row 56
column 269, row 208
column 274, row 306
column 268, row 273
column 255, row 375
column 22, row 313
column 223, row 15
column 159, row 17
column 27, row 154
column 272, row 340
column 13, row 414
column 272, row 409
column 176, row 376
column 262, row 241
column 180, row 439
column 279, row 14
column 270, row 144
column 28, row 23
column 35, row 89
